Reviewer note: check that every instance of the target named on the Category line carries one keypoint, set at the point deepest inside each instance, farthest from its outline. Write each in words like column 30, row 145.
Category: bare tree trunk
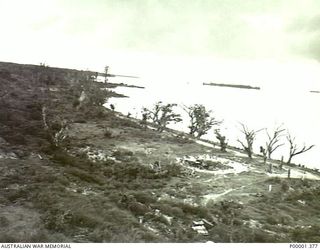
column 294, row 148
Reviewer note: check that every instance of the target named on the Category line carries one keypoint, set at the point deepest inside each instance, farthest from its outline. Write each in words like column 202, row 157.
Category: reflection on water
column 265, row 108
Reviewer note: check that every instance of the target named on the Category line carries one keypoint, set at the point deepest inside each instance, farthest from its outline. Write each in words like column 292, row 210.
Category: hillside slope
column 74, row 171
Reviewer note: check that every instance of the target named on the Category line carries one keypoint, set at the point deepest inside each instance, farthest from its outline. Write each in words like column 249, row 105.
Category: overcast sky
column 263, row 41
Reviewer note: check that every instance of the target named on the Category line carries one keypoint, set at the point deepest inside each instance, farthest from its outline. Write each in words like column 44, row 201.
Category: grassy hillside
column 73, row 171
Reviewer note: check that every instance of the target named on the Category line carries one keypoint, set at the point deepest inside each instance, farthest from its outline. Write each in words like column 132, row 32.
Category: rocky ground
column 94, row 175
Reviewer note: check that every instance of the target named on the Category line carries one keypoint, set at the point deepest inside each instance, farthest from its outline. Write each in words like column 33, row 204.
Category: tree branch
column 304, row 149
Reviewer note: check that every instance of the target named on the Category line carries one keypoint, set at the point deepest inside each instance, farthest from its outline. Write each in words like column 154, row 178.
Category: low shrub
column 145, row 197
column 285, row 186
column 107, row 133
column 170, row 209
column 173, row 170
column 195, row 210
column 272, row 220
column 138, row 208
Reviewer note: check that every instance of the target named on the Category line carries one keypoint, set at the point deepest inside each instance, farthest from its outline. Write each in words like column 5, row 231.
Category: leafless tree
column 294, row 148
column 273, row 140
column 250, row 136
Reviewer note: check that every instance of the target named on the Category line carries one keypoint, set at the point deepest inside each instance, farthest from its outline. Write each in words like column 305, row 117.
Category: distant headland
column 315, row 91
column 232, row 85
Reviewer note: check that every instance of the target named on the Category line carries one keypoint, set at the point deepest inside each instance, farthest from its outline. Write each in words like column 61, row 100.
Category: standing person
column 264, row 153
column 144, row 120
column 112, row 107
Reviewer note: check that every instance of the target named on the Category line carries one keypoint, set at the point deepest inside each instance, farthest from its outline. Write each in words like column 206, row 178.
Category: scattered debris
column 156, row 166
column 140, row 219
column 95, row 154
column 254, row 223
column 88, row 191
column 168, row 219
column 152, row 229
column 199, row 227
column 213, row 164
column 258, row 195
column 9, row 155
column 207, row 222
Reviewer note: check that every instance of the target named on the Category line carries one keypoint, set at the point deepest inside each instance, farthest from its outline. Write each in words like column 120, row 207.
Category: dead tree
column 294, row 148
column 273, row 141
column 250, row 136
column 106, row 69
column 222, row 140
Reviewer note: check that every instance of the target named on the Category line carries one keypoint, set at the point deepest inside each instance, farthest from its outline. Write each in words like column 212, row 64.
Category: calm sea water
column 296, row 111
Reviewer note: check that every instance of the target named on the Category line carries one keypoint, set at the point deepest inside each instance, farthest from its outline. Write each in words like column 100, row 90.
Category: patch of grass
column 145, row 197
column 131, row 171
column 85, row 176
column 18, row 139
column 272, row 219
column 179, row 139
column 172, row 170
column 307, row 234
column 311, row 195
column 170, row 209
column 4, row 222
column 122, row 155
column 63, row 158
column 261, row 236
column 14, row 195
column 129, row 123
column 83, row 219
column 274, row 180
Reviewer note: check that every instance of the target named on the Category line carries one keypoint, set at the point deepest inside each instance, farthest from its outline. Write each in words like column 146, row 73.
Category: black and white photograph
column 159, row 121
